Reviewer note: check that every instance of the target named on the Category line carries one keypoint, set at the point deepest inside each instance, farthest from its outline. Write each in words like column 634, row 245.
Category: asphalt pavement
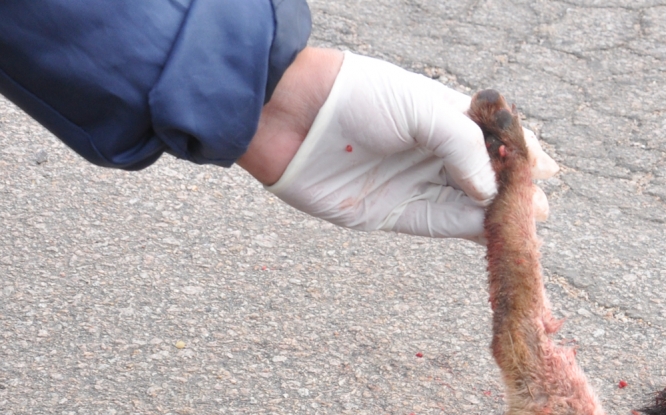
column 184, row 289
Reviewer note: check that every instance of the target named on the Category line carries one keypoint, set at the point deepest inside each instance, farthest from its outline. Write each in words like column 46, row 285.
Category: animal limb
column 539, row 376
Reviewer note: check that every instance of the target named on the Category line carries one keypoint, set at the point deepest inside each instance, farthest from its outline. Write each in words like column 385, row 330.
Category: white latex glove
column 391, row 150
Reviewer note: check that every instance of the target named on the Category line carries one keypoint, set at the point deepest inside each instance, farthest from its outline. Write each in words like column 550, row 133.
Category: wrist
column 286, row 119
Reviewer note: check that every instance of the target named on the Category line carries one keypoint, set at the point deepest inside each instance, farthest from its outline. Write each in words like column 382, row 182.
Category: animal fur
column 539, row 376
column 659, row 407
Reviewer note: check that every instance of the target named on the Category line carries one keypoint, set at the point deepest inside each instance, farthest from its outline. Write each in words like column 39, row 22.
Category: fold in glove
column 392, row 150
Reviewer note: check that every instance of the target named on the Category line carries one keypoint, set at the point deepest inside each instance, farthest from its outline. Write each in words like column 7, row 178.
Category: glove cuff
column 314, row 136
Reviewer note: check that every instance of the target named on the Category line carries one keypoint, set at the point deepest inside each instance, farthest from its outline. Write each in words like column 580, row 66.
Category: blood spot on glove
column 622, row 384
column 349, row 149
column 419, row 355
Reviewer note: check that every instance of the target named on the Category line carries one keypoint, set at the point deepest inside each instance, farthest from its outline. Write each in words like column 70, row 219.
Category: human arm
column 123, row 82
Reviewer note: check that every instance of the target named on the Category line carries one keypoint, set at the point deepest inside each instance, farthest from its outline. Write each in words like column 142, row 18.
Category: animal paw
column 500, row 124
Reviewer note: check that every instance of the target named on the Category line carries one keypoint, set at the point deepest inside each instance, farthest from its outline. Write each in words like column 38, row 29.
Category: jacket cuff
column 293, row 24
column 208, row 100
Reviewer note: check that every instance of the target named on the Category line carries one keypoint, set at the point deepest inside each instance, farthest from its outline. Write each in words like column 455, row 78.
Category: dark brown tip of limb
column 488, row 95
column 504, row 119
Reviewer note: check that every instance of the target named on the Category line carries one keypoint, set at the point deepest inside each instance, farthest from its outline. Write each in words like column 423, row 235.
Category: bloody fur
column 540, row 377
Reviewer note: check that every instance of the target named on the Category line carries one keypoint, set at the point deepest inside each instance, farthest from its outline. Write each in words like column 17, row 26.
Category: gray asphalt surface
column 105, row 272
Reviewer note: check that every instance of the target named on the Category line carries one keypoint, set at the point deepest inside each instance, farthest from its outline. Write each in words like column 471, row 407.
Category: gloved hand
column 392, row 150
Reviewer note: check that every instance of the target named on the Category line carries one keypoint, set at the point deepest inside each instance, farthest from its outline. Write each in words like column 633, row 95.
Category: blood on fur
column 540, row 377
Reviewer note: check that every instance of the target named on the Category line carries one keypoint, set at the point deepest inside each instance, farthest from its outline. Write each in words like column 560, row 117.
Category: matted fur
column 539, row 376
column 659, row 406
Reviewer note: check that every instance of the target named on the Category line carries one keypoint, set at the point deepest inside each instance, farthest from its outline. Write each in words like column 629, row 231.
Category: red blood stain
column 634, row 412
column 419, row 355
column 487, row 393
column 264, row 268
column 349, row 149
column 622, row 384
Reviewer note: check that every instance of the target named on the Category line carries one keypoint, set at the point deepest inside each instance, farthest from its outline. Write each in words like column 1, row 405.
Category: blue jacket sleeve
column 123, row 81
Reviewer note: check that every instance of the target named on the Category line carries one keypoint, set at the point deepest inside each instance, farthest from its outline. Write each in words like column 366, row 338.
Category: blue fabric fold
column 123, row 81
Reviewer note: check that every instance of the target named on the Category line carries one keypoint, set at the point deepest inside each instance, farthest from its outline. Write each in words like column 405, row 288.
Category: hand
column 391, row 150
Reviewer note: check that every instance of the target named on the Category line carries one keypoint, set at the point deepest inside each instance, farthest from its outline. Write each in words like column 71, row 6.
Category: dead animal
column 540, row 377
